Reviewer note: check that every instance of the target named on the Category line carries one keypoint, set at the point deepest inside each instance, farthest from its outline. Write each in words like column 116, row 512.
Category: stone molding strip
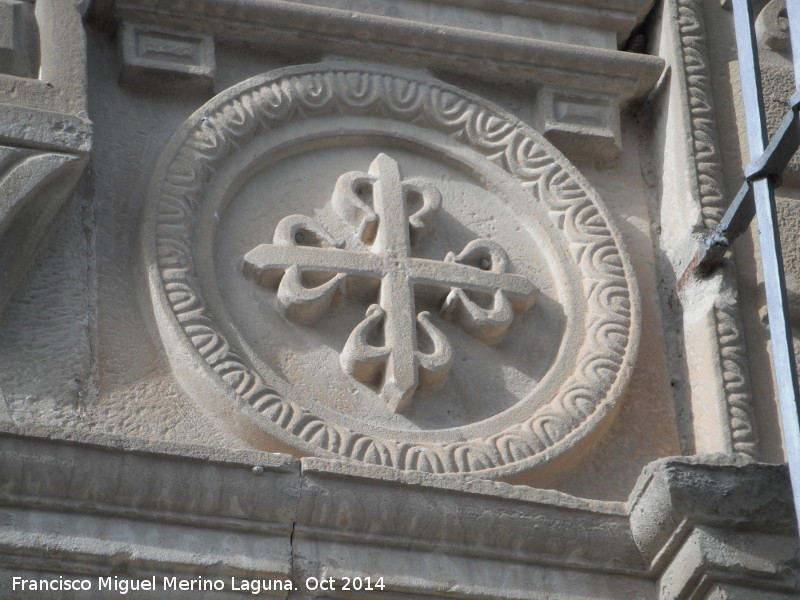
column 687, row 20
column 705, row 162
column 149, row 478
column 49, row 130
column 732, row 358
column 163, row 508
column 472, row 518
column 97, row 487
column 618, row 15
column 493, row 57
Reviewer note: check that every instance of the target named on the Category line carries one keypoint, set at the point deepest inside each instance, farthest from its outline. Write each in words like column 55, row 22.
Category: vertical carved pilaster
column 695, row 81
column 730, row 358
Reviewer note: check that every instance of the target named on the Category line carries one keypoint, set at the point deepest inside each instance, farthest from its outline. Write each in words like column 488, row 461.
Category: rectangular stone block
column 159, row 56
column 580, row 123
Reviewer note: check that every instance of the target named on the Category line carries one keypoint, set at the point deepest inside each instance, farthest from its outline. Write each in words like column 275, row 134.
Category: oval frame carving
column 211, row 370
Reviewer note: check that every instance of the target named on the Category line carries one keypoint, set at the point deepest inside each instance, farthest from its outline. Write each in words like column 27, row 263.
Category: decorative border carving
column 736, row 379
column 703, row 154
column 270, row 101
column 696, row 84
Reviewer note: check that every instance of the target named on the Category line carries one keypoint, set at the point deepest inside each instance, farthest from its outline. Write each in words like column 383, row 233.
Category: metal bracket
column 741, row 210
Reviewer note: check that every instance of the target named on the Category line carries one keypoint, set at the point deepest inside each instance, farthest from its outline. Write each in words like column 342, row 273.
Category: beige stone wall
column 148, row 79
column 329, row 288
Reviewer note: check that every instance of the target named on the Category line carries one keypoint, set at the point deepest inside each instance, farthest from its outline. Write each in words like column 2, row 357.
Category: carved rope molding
column 704, row 155
column 266, row 103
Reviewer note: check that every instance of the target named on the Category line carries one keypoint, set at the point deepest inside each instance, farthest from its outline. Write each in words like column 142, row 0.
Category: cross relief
column 308, row 267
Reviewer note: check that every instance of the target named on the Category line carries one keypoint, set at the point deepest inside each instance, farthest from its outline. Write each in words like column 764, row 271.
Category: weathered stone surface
column 779, row 86
column 57, row 92
column 35, row 186
column 213, row 513
column 44, row 130
column 691, row 526
column 19, row 39
column 772, row 25
column 364, row 251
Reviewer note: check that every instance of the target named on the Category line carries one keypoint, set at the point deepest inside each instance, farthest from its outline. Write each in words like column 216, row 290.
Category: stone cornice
column 152, row 478
column 288, row 509
column 619, row 16
column 493, row 57
column 464, row 517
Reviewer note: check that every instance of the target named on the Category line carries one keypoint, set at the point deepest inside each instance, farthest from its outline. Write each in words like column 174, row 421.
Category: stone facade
column 349, row 299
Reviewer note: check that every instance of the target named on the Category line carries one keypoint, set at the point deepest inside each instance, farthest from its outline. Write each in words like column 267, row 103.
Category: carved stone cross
column 309, row 266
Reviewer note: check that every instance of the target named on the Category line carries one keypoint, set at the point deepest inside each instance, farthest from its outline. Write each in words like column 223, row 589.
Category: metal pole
column 771, row 258
column 793, row 13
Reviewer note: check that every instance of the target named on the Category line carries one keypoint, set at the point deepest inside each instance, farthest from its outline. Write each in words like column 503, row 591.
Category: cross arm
column 266, row 263
column 521, row 290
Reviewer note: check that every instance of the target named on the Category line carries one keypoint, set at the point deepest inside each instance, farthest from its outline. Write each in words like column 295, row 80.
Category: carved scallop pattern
column 276, row 99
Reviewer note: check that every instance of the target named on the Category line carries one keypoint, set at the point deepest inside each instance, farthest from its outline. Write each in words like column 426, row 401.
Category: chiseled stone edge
column 47, row 469
column 45, row 129
column 758, row 565
column 687, row 20
column 67, row 468
column 603, row 364
column 306, row 508
column 51, row 108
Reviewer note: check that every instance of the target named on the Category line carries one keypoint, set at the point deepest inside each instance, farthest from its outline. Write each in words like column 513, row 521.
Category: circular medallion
column 364, row 263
